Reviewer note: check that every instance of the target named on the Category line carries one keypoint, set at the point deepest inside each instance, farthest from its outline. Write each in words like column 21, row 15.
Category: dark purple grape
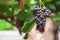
column 40, row 28
column 41, row 13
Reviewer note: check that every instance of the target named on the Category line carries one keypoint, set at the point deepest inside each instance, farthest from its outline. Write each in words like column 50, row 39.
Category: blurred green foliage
column 5, row 25
column 11, row 7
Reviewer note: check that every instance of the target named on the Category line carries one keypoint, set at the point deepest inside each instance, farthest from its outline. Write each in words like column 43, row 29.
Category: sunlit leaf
column 5, row 25
column 27, row 27
column 56, row 17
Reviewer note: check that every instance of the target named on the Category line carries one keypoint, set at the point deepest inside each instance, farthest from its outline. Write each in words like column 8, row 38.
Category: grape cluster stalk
column 41, row 13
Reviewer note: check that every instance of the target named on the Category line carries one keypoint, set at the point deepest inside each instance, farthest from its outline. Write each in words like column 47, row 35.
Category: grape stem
column 54, row 22
column 41, row 3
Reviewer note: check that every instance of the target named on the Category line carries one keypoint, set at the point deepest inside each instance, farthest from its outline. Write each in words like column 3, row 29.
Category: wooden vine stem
column 21, row 4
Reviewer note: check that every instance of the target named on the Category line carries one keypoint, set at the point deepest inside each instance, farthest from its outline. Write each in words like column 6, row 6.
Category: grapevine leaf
column 56, row 17
column 57, row 2
column 58, row 13
column 27, row 27
column 4, row 9
column 52, row 7
column 25, row 16
column 48, row 0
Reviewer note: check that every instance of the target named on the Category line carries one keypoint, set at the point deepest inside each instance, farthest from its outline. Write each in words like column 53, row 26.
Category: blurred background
column 17, row 15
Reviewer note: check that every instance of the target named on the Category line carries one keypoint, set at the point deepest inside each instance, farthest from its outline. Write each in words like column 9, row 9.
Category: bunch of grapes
column 41, row 13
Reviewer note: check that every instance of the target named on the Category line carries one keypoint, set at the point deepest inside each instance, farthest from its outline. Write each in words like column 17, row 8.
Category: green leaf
column 33, row 2
column 27, row 1
column 52, row 7
column 1, row 0
column 58, row 13
column 57, row 2
column 58, row 7
column 5, row 25
column 27, row 27
column 48, row 0
column 6, row 9
column 9, row 2
column 28, row 17
column 56, row 17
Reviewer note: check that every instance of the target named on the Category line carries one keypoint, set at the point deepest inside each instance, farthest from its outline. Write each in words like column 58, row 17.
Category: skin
column 49, row 33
